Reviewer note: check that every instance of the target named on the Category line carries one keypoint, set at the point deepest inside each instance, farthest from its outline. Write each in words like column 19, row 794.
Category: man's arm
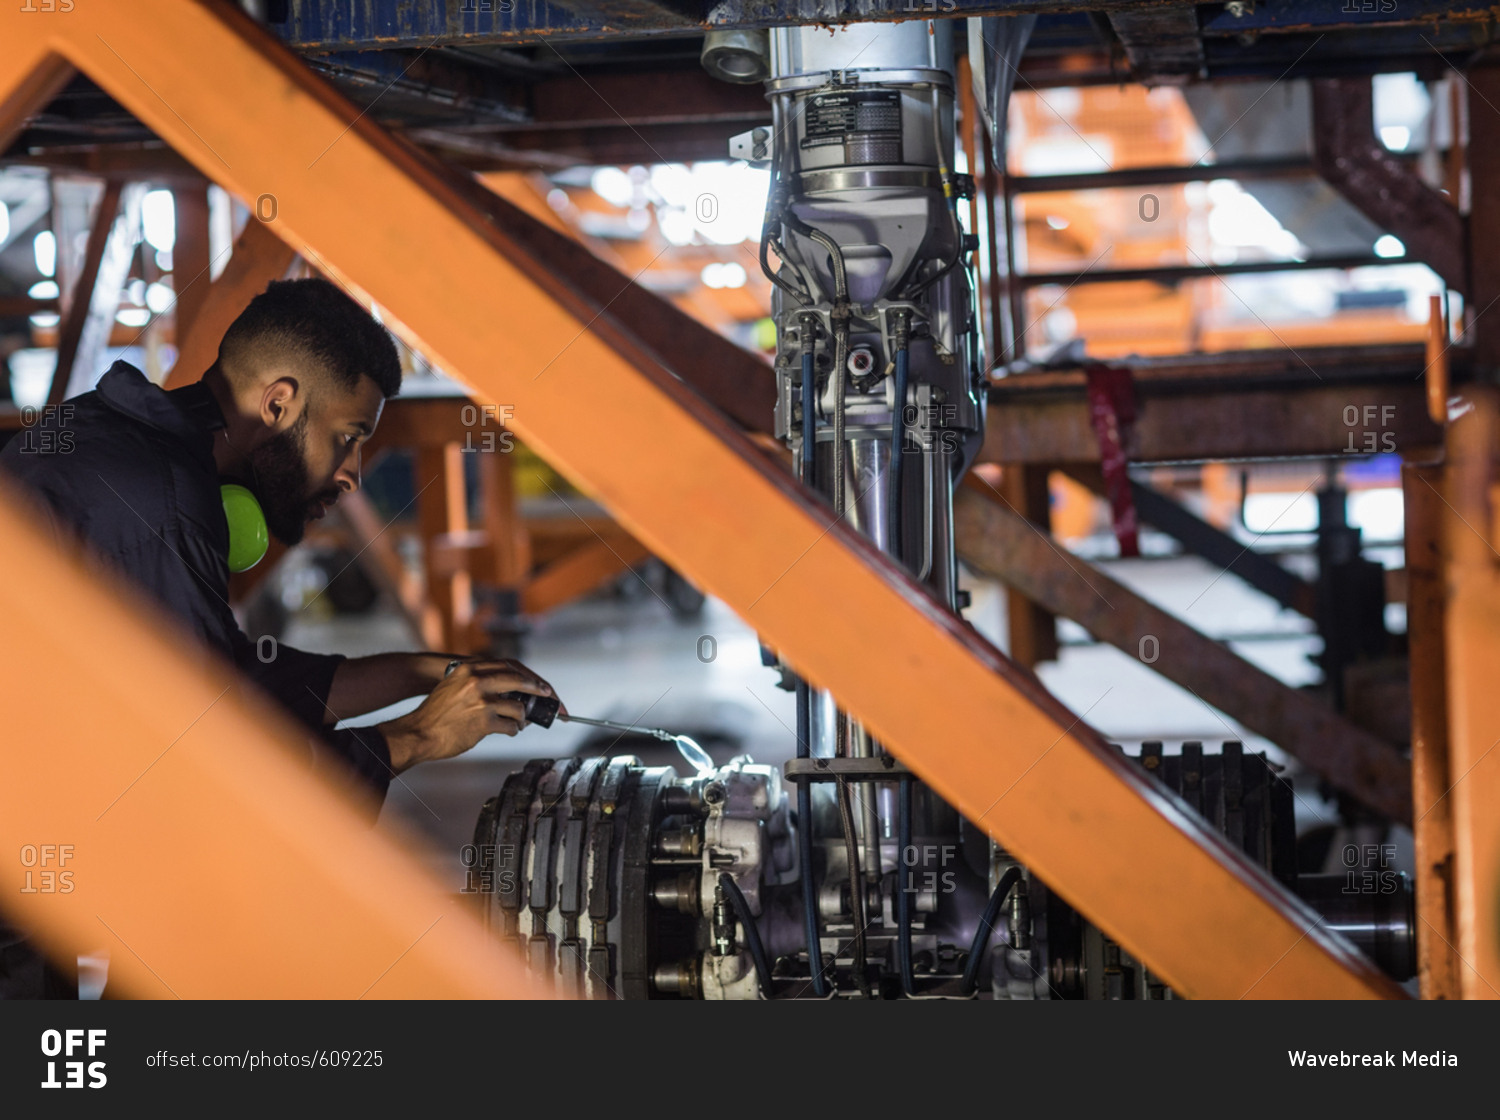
column 365, row 684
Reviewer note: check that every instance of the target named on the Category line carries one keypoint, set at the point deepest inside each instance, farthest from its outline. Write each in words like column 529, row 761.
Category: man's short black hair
column 313, row 323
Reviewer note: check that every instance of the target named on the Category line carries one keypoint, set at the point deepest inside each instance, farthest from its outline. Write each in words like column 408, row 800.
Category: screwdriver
column 695, row 755
column 542, row 710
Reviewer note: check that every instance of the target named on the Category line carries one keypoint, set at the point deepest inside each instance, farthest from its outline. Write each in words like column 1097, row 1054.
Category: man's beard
column 281, row 482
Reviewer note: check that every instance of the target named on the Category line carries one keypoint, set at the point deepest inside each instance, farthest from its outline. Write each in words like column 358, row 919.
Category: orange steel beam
column 1436, row 368
column 191, row 256
column 687, row 483
column 203, row 854
column 441, row 512
column 1473, row 662
column 1033, row 628
column 579, row 572
column 259, row 257
column 507, row 563
column 1472, row 574
column 1438, row 967
column 383, row 563
column 31, row 75
column 409, row 421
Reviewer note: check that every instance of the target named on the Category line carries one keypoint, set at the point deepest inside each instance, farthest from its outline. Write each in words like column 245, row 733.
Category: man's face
column 303, row 469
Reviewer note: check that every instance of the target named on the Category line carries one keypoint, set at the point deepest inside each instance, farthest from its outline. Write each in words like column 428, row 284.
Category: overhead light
column 1389, row 246
column 159, row 219
column 1057, row 223
column 45, row 319
column 675, row 225
column 44, row 249
column 43, row 289
column 1395, row 137
column 31, row 373
column 613, row 185
column 159, row 297
column 723, row 274
column 4, row 223
column 133, row 316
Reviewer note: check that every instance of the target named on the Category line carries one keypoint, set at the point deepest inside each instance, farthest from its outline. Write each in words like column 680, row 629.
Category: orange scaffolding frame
column 228, row 872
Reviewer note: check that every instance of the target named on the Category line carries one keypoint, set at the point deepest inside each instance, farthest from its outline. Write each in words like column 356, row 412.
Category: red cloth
column 1112, row 412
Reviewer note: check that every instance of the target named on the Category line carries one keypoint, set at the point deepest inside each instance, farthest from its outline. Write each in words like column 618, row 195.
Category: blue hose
column 809, row 417
column 752, row 934
column 987, row 926
column 804, row 843
column 898, row 442
column 903, row 889
column 804, row 712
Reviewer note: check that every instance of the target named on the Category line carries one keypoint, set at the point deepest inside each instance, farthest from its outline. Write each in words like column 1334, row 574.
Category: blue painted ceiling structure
column 533, row 83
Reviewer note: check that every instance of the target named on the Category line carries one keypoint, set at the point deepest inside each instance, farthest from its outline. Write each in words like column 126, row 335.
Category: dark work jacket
column 128, row 469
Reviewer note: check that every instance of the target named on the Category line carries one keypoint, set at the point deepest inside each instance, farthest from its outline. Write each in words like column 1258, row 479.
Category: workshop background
column 1229, row 496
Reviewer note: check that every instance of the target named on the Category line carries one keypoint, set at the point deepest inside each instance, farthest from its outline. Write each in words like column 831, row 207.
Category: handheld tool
column 695, row 755
column 542, row 710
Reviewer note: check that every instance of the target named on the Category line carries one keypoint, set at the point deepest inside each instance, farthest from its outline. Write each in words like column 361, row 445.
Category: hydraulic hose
column 804, row 843
column 835, row 254
column 752, row 934
column 917, row 287
column 775, row 204
column 856, row 887
column 809, row 415
column 898, row 442
column 770, row 273
column 903, row 888
column 986, row 927
column 840, row 373
column 840, row 342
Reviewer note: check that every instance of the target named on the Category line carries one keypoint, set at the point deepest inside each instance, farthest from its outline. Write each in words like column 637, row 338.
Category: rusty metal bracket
column 1351, row 158
column 999, row 543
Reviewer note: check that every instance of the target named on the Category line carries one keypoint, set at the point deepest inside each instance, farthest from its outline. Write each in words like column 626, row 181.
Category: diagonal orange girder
column 695, row 491
column 199, row 851
column 1473, row 658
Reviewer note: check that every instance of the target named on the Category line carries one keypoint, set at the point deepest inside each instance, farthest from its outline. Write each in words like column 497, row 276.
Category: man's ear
column 280, row 403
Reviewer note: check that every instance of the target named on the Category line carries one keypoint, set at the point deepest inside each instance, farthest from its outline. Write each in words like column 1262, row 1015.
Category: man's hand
column 461, row 709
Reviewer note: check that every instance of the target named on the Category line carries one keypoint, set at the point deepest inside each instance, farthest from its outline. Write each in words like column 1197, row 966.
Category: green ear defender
column 248, row 536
